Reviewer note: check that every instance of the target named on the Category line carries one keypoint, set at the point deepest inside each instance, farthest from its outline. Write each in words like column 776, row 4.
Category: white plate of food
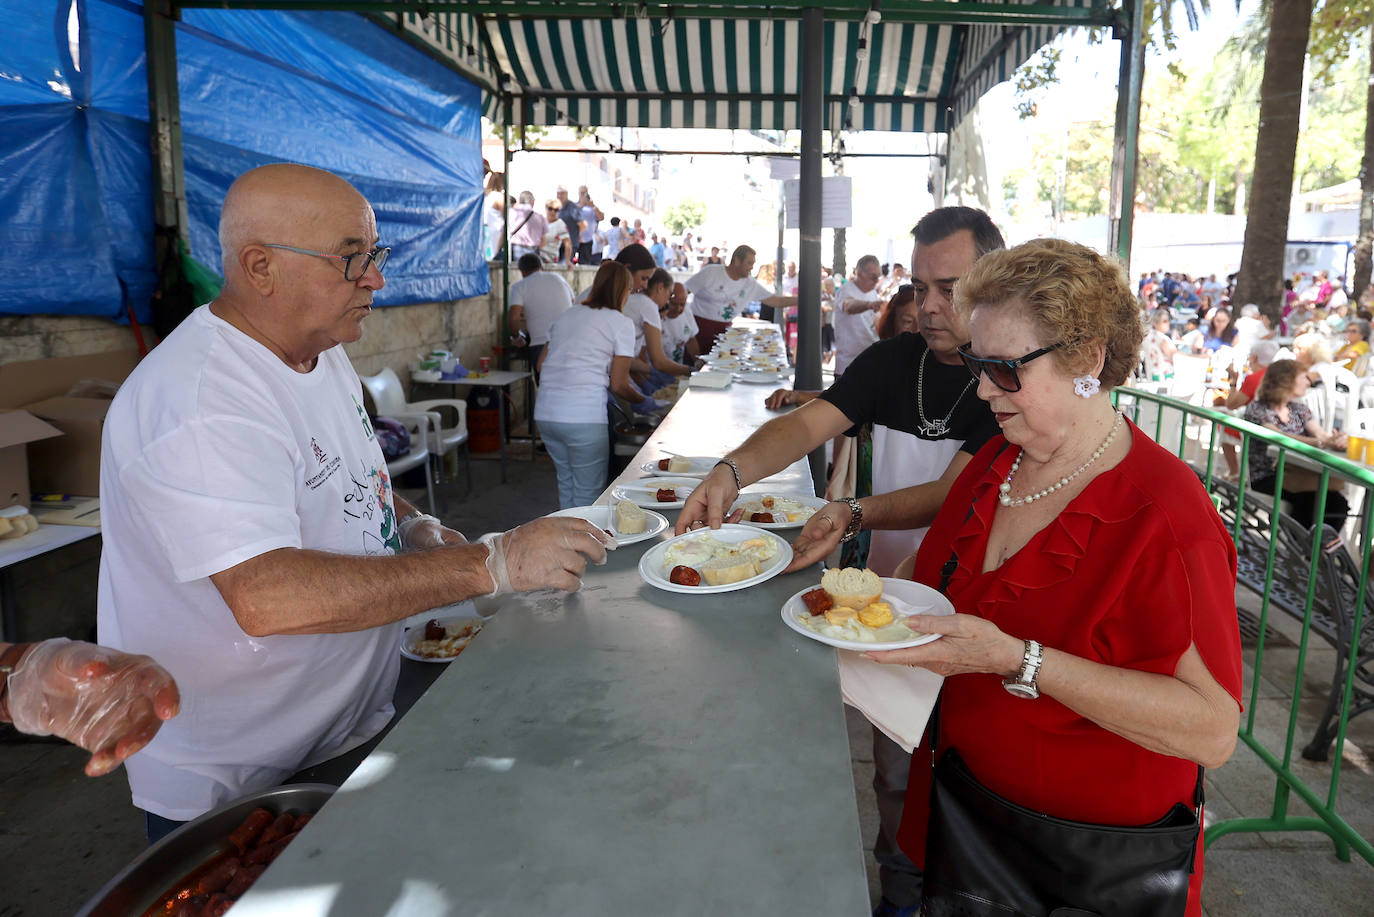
column 441, row 638
column 902, row 598
column 760, row 378
column 723, row 560
column 787, row 510
column 647, row 523
column 686, row 466
column 651, row 493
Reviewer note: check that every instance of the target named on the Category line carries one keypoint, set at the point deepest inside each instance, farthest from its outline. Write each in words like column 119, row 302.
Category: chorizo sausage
column 252, row 827
column 683, row 575
column 266, row 853
column 818, row 601
column 760, row 517
column 244, row 879
column 663, row 464
column 666, row 495
column 283, row 825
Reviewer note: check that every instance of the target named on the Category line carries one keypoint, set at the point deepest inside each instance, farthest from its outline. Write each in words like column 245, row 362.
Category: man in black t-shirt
column 927, row 423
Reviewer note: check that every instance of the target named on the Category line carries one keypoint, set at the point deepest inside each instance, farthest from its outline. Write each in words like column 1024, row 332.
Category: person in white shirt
column 527, row 227
column 721, row 291
column 1250, row 328
column 615, row 239
column 856, row 307
column 536, row 299
column 679, row 328
column 652, row 365
column 254, row 544
column 558, row 246
column 590, row 348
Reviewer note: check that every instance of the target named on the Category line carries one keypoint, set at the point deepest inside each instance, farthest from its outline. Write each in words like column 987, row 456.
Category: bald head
column 287, row 233
column 289, row 204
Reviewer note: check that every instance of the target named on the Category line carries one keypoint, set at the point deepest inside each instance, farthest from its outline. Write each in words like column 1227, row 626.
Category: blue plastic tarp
column 332, row 90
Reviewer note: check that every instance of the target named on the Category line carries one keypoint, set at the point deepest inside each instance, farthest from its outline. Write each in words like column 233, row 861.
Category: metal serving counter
column 620, row 751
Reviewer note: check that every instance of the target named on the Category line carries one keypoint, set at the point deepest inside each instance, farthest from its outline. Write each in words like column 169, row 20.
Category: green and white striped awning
column 740, row 67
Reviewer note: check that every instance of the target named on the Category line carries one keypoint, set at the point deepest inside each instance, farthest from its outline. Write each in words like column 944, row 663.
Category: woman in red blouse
column 1076, row 532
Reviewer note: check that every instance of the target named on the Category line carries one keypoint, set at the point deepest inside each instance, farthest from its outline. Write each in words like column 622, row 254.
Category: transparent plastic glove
column 109, row 703
column 544, row 554
column 425, row 531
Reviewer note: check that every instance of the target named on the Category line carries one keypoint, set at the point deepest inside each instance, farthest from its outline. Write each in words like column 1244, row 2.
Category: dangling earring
column 1086, row 385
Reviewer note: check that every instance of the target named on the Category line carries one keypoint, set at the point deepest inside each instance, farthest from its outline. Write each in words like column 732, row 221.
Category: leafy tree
column 1276, row 144
column 688, row 213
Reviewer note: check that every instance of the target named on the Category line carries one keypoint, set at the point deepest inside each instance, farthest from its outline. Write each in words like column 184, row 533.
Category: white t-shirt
column 216, row 452
column 544, row 296
column 553, row 241
column 615, row 238
column 642, row 310
column 676, row 333
column 719, row 298
column 577, row 365
column 854, row 331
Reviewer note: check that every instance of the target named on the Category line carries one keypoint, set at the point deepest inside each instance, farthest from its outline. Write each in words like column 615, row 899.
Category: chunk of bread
column 852, row 587
column 629, row 518
column 725, row 570
column 679, row 464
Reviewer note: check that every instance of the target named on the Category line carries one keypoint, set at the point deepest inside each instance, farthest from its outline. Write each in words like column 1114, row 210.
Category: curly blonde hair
column 1071, row 294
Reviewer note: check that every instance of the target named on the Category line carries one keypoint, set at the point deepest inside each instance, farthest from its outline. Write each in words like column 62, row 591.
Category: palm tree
column 1276, row 144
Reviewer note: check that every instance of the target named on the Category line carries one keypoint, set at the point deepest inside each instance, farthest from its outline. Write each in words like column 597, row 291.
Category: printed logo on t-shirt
column 367, row 500
column 319, row 453
column 362, row 415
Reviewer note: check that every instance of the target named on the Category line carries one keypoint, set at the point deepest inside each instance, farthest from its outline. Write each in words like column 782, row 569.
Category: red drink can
column 483, row 364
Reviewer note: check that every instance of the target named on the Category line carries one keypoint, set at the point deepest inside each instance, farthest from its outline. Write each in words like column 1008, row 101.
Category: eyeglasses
column 1002, row 372
column 355, row 265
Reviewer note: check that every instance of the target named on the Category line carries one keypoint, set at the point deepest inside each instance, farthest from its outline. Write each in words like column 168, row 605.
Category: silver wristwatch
column 856, row 520
column 1023, row 685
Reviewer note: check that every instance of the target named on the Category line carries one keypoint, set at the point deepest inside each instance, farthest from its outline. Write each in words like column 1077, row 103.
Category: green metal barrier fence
column 1273, row 551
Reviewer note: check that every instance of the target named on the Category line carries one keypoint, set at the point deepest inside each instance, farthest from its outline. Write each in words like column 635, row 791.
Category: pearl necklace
column 1005, row 497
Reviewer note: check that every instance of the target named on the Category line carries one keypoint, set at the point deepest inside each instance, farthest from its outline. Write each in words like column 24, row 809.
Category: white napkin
column 895, row 698
column 710, row 380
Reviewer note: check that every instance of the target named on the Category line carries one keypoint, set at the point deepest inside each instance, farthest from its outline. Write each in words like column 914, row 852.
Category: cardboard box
column 17, row 429
column 71, row 464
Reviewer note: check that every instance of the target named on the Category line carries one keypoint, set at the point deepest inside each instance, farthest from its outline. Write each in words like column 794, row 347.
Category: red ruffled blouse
column 1135, row 569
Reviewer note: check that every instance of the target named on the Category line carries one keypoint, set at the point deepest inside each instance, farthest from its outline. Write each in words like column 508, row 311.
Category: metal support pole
column 809, row 256
column 505, row 232
column 164, row 110
column 1125, row 144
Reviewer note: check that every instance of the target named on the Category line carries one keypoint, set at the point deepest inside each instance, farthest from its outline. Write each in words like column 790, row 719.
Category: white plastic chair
column 448, row 417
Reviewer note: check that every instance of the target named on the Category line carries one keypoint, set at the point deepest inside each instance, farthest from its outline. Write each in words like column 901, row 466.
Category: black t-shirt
column 880, row 387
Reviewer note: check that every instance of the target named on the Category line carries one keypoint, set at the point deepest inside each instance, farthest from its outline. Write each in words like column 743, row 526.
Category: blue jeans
column 157, row 827
column 581, row 452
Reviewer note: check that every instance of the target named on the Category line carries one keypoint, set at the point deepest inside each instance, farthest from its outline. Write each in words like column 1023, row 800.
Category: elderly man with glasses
column 253, row 542
column 856, row 310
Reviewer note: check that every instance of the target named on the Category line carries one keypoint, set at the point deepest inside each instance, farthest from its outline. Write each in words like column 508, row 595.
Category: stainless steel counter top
column 620, row 751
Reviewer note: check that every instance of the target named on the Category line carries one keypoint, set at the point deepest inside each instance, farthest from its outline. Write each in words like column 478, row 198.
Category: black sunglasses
column 1002, row 372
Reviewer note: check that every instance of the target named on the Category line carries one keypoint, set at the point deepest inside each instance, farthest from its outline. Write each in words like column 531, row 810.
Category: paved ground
column 63, row 835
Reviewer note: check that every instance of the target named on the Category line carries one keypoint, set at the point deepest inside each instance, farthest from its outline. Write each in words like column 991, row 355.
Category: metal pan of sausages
column 202, row 867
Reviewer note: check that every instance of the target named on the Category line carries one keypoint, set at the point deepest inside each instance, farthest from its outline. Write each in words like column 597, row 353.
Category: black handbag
column 987, row 856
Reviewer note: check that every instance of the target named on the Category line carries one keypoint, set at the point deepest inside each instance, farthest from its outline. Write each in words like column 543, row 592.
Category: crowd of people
column 1000, row 474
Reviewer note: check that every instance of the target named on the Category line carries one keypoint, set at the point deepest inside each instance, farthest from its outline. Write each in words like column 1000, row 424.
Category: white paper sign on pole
column 837, row 200
column 784, row 169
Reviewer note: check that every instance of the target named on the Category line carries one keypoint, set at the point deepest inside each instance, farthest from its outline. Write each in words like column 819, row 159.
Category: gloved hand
column 544, row 554
column 109, row 703
column 425, row 531
column 650, row 406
